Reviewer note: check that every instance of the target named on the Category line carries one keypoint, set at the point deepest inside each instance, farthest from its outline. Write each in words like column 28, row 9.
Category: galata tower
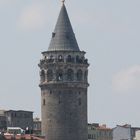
column 64, row 83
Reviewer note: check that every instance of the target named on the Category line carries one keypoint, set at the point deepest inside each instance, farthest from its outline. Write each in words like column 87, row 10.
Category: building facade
column 137, row 135
column 64, row 83
column 124, row 132
column 2, row 121
column 97, row 132
column 20, row 118
column 37, row 126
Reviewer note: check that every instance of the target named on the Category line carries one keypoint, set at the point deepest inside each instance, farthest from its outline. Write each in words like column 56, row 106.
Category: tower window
column 70, row 75
column 44, row 102
column 59, row 75
column 60, row 58
column 69, row 58
column 51, row 58
column 77, row 59
column 85, row 75
column 49, row 75
column 42, row 75
column 53, row 34
column 79, row 75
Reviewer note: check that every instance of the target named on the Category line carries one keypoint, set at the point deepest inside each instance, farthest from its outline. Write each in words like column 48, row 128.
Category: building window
column 79, row 75
column 70, row 75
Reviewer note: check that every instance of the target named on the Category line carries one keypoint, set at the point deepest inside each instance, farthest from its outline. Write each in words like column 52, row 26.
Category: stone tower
column 63, row 74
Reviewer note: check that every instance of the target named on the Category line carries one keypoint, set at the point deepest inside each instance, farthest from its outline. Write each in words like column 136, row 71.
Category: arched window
column 60, row 58
column 42, row 75
column 51, row 58
column 79, row 75
column 59, row 75
column 70, row 75
column 69, row 59
column 77, row 59
column 85, row 75
column 50, row 91
column 49, row 75
column 59, row 100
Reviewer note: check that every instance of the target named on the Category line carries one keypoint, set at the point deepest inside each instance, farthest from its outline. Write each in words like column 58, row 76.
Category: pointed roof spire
column 63, row 37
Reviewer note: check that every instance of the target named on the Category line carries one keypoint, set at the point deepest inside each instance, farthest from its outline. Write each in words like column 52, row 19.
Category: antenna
column 63, row 1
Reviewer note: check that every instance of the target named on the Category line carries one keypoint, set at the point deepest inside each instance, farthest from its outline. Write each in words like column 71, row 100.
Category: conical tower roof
column 63, row 37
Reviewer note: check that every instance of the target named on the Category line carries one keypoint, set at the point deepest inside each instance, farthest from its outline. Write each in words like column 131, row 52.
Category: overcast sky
column 108, row 30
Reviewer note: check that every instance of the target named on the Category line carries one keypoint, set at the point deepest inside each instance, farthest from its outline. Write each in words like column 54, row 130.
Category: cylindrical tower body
column 63, row 83
column 64, row 95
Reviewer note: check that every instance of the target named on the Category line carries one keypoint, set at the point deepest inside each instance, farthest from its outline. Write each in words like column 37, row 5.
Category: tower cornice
column 64, row 85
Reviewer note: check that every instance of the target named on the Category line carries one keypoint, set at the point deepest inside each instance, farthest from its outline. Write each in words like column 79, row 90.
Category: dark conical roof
column 63, row 37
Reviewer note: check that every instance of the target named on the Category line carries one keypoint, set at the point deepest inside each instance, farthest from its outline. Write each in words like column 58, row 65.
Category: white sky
column 109, row 31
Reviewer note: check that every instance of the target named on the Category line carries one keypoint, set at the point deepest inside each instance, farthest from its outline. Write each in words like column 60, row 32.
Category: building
column 135, row 131
column 63, row 74
column 20, row 118
column 37, row 126
column 124, row 132
column 137, row 135
column 97, row 132
column 2, row 121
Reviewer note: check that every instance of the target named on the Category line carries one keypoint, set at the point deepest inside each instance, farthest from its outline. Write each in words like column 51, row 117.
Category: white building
column 122, row 132
column 137, row 135
column 126, row 132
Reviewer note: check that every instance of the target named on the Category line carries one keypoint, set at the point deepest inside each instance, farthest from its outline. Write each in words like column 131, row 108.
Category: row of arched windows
column 69, row 58
column 60, row 76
